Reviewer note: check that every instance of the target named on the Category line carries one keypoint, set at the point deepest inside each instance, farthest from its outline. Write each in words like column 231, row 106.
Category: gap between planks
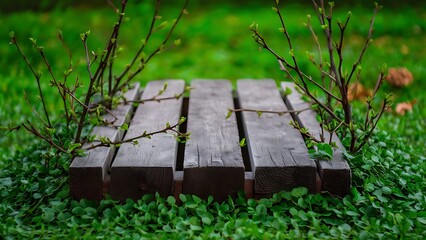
column 249, row 176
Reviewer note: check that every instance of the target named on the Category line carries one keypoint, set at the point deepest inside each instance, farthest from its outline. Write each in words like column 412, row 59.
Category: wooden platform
column 212, row 162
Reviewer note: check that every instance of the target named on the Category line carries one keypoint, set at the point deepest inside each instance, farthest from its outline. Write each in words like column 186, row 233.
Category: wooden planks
column 212, row 158
column 213, row 163
column 278, row 154
column 87, row 173
column 149, row 166
column 335, row 174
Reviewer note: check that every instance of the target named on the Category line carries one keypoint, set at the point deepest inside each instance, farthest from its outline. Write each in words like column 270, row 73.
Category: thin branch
column 159, row 48
column 367, row 137
column 37, row 76
column 142, row 47
column 131, row 140
column 261, row 41
column 268, row 111
column 49, row 141
column 366, row 45
column 88, row 94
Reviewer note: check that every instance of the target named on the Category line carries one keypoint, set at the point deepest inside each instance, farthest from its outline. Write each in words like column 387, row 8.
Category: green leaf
column 171, row 200
column 294, row 212
column 73, row 146
column 299, row 192
column 243, row 142
column 206, row 220
column 124, row 127
column 326, row 149
column 261, row 209
column 287, row 91
column 229, row 114
column 182, row 120
column 183, row 198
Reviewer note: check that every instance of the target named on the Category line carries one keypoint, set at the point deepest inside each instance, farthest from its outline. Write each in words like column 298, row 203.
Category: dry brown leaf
column 358, row 92
column 403, row 107
column 399, row 77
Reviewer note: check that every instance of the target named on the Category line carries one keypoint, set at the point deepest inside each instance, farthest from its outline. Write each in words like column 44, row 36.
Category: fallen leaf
column 399, row 77
column 358, row 92
column 403, row 107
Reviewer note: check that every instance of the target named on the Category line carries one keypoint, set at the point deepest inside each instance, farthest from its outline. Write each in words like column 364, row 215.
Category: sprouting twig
column 143, row 135
column 259, row 112
column 37, row 77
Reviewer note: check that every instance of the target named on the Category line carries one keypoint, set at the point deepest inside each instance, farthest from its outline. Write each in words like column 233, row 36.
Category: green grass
column 387, row 199
column 216, row 43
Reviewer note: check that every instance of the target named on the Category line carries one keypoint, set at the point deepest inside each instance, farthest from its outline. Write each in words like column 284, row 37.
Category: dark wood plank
column 213, row 163
column 87, row 173
column 278, row 154
column 148, row 167
column 335, row 174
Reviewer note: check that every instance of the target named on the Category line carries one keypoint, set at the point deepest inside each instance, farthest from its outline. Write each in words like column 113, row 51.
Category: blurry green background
column 216, row 43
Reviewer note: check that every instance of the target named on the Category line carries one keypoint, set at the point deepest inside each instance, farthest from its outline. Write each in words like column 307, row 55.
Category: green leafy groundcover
column 387, row 201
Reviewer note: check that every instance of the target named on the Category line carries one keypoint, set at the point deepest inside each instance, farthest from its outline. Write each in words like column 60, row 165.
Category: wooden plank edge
column 135, row 181
column 95, row 190
column 335, row 181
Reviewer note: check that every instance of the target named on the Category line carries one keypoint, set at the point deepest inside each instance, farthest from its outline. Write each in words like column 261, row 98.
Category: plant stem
column 37, row 76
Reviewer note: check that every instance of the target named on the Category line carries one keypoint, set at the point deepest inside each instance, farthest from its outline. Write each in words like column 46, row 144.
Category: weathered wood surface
column 149, row 166
column 87, row 173
column 335, row 174
column 278, row 154
column 213, row 163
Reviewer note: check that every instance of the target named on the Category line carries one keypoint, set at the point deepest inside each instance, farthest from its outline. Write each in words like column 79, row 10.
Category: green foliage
column 387, row 201
column 322, row 151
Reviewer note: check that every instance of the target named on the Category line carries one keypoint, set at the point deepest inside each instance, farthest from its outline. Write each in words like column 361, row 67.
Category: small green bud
column 34, row 41
column 162, row 25
column 274, row 9
column 124, row 127
column 229, row 114
column 243, row 142
column 282, row 30
column 177, row 42
column 291, row 52
column 182, row 120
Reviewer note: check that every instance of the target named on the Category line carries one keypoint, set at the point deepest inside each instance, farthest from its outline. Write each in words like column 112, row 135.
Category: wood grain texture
column 213, row 163
column 335, row 174
column 87, row 173
column 278, row 154
column 148, row 167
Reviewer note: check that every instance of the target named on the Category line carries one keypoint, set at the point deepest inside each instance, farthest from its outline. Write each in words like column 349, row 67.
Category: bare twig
column 143, row 135
column 37, row 77
column 268, row 111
